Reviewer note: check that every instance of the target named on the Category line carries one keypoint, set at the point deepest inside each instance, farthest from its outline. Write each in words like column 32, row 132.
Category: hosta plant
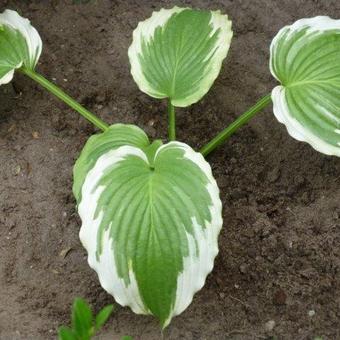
column 150, row 210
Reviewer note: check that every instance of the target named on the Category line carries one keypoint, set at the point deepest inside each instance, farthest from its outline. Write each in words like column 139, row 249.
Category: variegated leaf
column 20, row 45
column 151, row 215
column 177, row 53
column 305, row 58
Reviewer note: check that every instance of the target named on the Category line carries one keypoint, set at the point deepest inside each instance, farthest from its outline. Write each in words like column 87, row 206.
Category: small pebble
column 243, row 268
column 17, row 170
column 311, row 313
column 35, row 134
column 151, row 122
column 269, row 325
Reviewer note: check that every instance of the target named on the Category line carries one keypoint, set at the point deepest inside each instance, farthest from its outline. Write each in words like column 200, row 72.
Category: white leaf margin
column 195, row 268
column 146, row 29
column 8, row 76
column 207, row 238
column 280, row 107
column 33, row 41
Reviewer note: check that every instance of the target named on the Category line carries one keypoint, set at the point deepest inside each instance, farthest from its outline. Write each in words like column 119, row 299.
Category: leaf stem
column 172, row 121
column 234, row 126
column 65, row 98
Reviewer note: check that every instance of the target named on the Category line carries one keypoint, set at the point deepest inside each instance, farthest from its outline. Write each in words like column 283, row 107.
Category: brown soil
column 279, row 249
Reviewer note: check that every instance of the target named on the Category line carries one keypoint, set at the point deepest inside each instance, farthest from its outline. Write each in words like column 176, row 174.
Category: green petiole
column 65, row 98
column 205, row 150
column 172, row 121
column 233, row 127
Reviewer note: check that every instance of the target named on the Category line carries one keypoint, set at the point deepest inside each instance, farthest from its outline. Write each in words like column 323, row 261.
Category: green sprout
column 84, row 325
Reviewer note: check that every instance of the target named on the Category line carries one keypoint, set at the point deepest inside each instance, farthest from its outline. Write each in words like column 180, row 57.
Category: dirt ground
column 279, row 254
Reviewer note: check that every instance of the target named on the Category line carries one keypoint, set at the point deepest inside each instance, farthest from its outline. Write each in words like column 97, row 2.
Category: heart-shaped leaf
column 151, row 215
column 20, row 44
column 177, row 53
column 305, row 58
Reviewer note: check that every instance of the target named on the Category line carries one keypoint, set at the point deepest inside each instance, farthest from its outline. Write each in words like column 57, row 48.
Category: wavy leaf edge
column 32, row 38
column 159, row 18
column 280, row 107
column 205, row 238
